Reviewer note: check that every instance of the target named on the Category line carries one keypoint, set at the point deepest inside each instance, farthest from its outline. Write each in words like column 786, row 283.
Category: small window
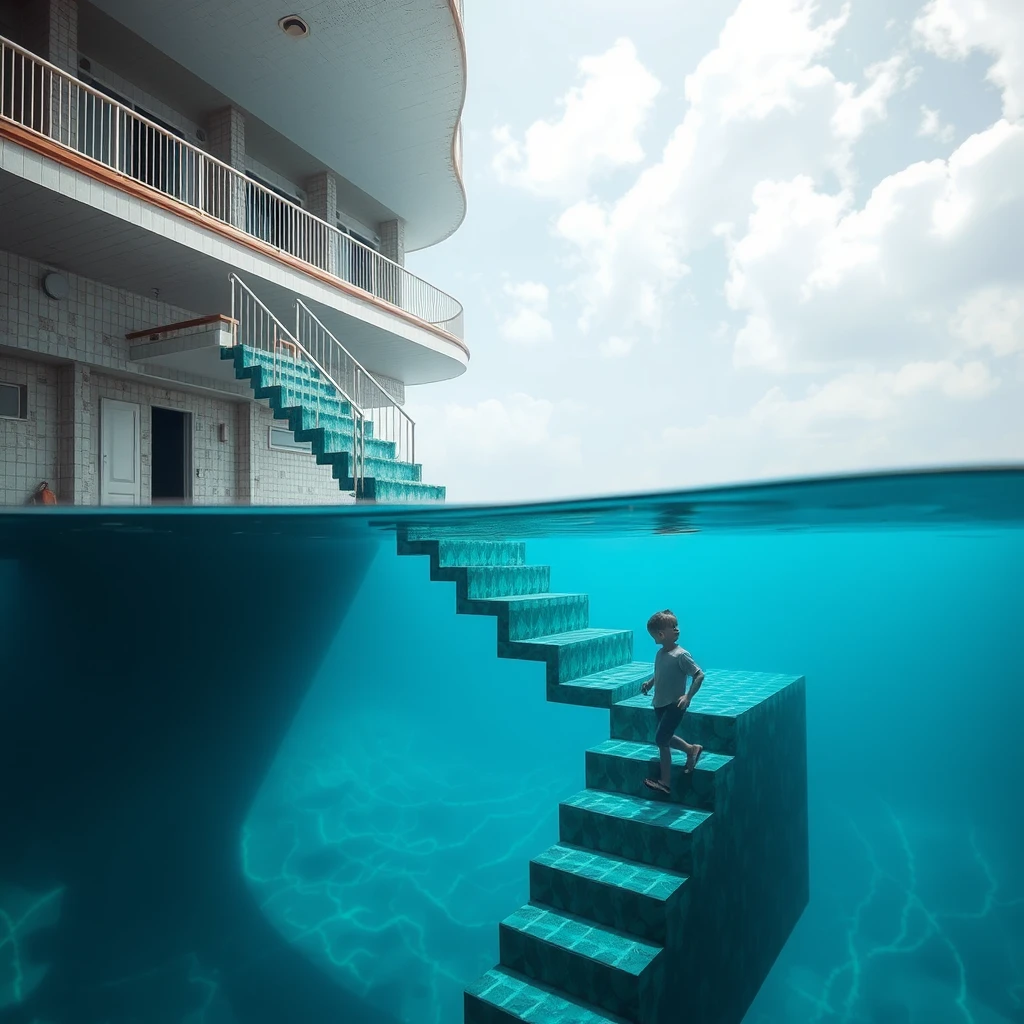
column 13, row 401
column 282, row 439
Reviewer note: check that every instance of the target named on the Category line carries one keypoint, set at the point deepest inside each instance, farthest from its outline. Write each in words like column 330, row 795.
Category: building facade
column 203, row 230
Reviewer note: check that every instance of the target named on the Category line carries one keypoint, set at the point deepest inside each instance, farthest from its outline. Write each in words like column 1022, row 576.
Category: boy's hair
column 661, row 620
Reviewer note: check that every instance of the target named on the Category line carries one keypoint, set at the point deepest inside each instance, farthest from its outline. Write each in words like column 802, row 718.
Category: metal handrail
column 256, row 326
column 390, row 421
column 42, row 98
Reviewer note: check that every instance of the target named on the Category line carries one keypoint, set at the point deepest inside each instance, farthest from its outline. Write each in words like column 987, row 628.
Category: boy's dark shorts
column 669, row 717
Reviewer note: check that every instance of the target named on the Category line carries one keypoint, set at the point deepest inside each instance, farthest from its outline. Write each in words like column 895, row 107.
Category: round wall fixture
column 294, row 26
column 56, row 286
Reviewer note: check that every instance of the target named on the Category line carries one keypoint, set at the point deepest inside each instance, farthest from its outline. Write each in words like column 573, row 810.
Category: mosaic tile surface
column 667, row 871
column 660, row 834
column 503, row 581
column 634, row 719
column 606, row 688
column 574, row 654
column 613, row 971
column 621, row 894
column 620, row 766
column 315, row 413
column 533, row 615
column 501, row 996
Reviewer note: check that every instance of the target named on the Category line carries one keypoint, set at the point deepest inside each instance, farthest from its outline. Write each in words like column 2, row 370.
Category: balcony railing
column 40, row 97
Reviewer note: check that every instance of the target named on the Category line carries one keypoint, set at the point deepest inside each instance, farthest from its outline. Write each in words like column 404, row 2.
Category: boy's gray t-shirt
column 671, row 670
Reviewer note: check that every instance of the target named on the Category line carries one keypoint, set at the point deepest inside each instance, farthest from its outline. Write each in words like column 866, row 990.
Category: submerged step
column 630, row 897
column 614, row 971
column 399, row 492
column 503, row 996
column 661, row 834
column 574, row 654
column 482, row 581
column 620, row 766
column 606, row 688
column 448, row 553
column 532, row 615
column 634, row 719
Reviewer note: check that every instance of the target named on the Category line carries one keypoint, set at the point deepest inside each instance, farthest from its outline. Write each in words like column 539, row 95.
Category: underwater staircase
column 287, row 369
column 616, row 923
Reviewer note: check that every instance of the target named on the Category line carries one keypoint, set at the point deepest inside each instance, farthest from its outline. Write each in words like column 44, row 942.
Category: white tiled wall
column 28, row 448
column 88, row 326
column 289, row 478
column 60, row 440
column 214, row 473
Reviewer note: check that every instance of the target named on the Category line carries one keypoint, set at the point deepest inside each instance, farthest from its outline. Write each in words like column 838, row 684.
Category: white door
column 120, row 459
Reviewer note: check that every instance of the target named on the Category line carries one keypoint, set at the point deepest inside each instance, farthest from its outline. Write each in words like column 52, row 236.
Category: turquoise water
column 256, row 769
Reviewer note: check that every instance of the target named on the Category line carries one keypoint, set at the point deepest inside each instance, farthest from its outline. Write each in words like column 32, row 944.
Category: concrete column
column 76, row 458
column 392, row 240
column 322, row 202
column 52, row 33
column 225, row 139
column 246, row 470
column 392, row 246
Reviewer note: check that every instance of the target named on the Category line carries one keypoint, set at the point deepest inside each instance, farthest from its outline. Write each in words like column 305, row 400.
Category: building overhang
column 112, row 231
column 375, row 91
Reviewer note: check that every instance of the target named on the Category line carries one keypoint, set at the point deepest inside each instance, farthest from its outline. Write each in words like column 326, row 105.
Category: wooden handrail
column 152, row 333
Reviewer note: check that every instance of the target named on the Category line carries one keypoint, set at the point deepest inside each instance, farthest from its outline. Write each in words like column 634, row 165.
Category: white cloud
column 513, row 448
column 527, row 327
column 616, row 347
column 598, row 130
column 762, row 106
column 931, row 126
column 860, row 418
column 822, row 281
column 527, row 324
column 953, row 28
column 531, row 293
column 992, row 318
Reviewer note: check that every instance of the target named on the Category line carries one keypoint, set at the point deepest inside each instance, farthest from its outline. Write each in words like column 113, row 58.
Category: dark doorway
column 171, row 455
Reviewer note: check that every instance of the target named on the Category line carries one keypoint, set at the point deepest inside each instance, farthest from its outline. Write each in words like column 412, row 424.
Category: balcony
column 44, row 108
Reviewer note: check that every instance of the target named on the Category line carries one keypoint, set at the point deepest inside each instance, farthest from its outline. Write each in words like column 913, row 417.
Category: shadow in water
column 151, row 681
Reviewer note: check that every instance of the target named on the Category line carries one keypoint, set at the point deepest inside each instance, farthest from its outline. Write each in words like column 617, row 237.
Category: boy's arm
column 644, row 687
column 695, row 683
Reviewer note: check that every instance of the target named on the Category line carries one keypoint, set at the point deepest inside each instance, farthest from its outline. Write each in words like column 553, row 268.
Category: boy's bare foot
column 658, row 785
column 692, row 757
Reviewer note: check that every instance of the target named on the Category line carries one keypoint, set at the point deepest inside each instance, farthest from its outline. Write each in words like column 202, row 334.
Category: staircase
column 644, row 898
column 307, row 377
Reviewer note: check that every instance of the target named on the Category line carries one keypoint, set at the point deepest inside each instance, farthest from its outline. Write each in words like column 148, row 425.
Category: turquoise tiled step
column 502, row 996
column 606, row 688
column 327, row 409
column 661, row 834
column 309, row 418
column 399, row 492
column 481, row 581
column 621, row 894
column 611, row 970
column 532, row 615
column 451, row 554
column 574, row 654
column 379, row 469
column 311, row 384
column 328, row 442
column 634, row 719
column 620, row 766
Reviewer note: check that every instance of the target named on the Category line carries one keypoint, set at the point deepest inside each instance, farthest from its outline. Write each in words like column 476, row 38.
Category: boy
column 672, row 665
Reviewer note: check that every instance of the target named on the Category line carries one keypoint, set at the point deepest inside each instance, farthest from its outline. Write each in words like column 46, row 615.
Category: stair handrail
column 358, row 414
column 397, row 421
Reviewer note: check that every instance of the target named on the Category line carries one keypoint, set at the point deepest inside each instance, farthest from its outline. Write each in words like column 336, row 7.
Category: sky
column 721, row 241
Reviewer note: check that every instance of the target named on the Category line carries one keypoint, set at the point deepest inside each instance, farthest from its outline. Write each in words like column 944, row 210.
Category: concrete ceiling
column 375, row 91
column 78, row 237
